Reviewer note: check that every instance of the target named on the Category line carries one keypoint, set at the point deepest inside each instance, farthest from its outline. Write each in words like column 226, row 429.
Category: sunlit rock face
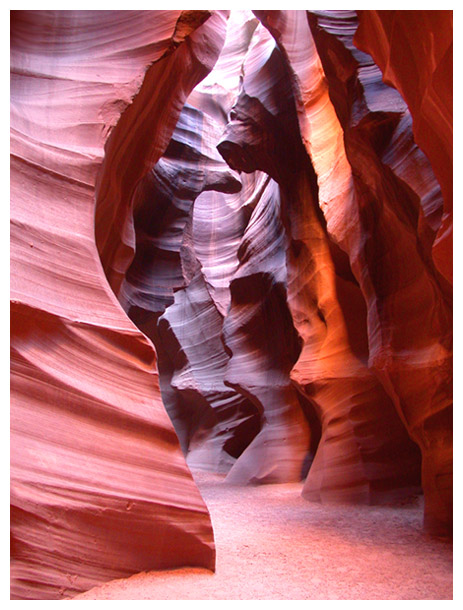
column 231, row 248
column 400, row 207
column 364, row 453
column 382, row 207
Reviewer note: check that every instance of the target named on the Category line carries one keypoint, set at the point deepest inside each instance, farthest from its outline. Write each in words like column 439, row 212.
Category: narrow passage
column 273, row 544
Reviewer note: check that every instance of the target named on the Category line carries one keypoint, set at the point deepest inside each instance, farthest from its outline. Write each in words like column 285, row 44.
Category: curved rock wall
column 408, row 300
column 348, row 118
column 276, row 220
column 222, row 381
column 93, row 452
column 414, row 50
column 360, row 457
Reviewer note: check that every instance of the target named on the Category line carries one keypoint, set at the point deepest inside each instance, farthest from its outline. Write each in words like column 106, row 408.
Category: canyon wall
column 230, row 248
column 414, row 50
column 99, row 486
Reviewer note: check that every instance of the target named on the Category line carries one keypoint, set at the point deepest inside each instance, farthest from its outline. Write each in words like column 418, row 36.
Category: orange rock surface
column 230, row 248
column 414, row 50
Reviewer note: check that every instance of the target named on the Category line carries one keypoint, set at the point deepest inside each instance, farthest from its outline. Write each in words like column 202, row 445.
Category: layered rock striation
column 405, row 286
column 99, row 486
column 414, row 50
column 231, row 247
column 360, row 457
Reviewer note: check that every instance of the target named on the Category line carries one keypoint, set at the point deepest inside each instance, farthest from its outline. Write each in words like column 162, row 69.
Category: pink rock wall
column 99, row 487
column 230, row 247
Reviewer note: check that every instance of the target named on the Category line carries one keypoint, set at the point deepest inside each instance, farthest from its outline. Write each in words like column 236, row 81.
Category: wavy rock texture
column 247, row 190
column 412, row 353
column 364, row 453
column 162, row 206
column 193, row 219
column 143, row 133
column 365, row 204
column 99, row 487
column 414, row 50
column 259, row 332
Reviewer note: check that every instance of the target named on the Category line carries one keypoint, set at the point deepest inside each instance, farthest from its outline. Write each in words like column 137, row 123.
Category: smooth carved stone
column 189, row 216
column 264, row 345
column 217, row 93
column 143, row 134
column 300, row 310
column 219, row 222
column 99, row 486
column 359, row 457
column 214, row 422
column 410, row 324
column 414, row 50
column 365, row 204
column 162, row 207
column 361, row 100
column 215, row 418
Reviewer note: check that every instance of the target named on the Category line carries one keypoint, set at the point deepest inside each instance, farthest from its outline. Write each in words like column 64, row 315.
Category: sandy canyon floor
column 272, row 544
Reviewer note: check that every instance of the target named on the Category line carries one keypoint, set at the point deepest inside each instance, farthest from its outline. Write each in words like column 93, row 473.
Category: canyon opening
column 231, row 304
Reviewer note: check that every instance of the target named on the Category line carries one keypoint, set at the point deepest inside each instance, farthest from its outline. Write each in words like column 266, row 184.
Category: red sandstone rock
column 99, row 487
column 182, row 247
column 414, row 50
column 412, row 353
column 365, row 204
column 300, row 310
column 260, row 335
column 143, row 133
column 360, row 457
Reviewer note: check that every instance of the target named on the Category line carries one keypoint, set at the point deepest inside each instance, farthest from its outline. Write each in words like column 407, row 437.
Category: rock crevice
column 230, row 250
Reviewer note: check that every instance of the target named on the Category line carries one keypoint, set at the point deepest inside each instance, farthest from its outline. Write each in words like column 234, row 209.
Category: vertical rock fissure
column 229, row 246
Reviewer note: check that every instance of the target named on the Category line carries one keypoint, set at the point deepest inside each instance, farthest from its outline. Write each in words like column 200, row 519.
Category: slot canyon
column 231, row 304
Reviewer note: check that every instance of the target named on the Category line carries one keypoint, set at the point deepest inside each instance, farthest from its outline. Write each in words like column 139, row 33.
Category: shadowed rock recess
column 231, row 249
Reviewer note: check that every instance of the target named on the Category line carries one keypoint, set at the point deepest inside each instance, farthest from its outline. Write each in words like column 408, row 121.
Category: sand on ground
column 273, row 544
